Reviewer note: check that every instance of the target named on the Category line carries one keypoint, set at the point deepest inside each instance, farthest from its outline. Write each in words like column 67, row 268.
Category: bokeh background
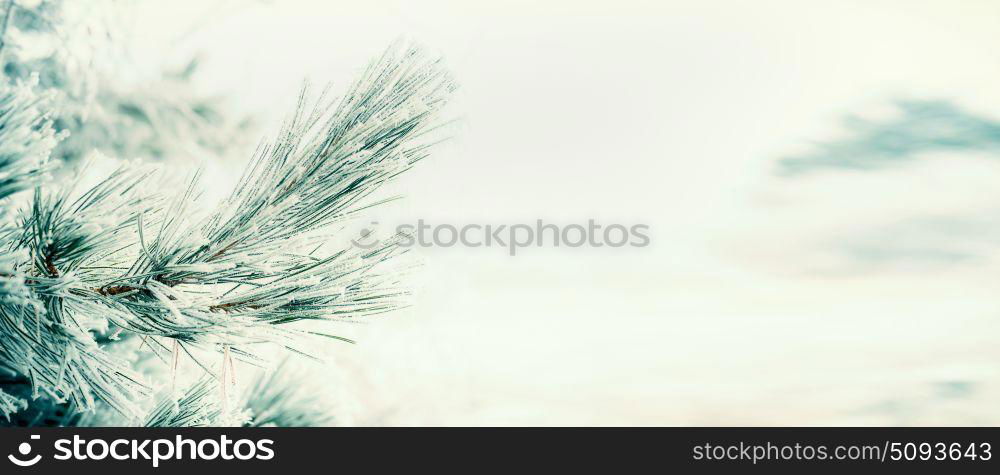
column 820, row 180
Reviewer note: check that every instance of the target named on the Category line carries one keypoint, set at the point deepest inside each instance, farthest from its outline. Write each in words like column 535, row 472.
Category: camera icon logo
column 24, row 449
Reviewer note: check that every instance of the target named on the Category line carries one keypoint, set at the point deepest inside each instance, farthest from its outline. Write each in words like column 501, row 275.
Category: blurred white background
column 754, row 304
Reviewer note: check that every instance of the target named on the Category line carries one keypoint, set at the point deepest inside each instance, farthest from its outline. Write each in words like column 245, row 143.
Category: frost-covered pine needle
column 282, row 398
column 199, row 405
column 26, row 136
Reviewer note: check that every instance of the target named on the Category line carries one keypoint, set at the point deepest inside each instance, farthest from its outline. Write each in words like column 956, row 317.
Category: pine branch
column 253, row 246
column 115, row 256
column 26, row 137
column 279, row 398
column 197, row 406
